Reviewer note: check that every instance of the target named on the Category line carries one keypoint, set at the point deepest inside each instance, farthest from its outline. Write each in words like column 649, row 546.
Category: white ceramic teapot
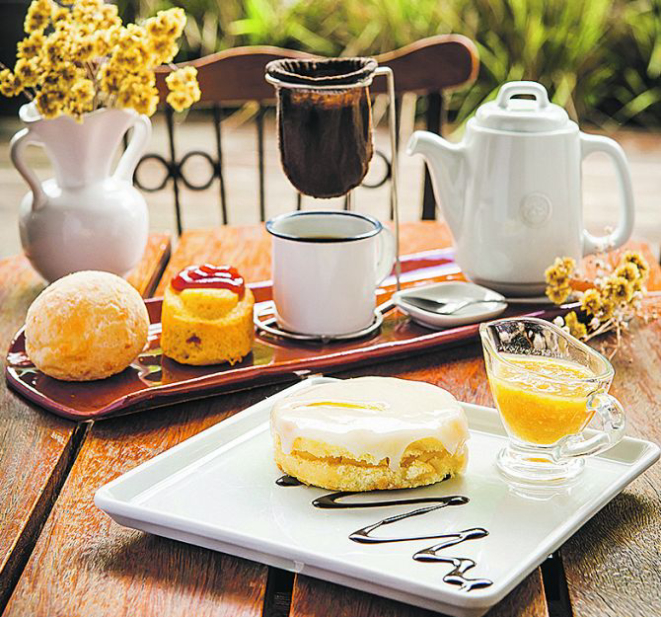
column 511, row 189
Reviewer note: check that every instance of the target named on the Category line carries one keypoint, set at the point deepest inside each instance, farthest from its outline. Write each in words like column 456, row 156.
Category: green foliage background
column 601, row 59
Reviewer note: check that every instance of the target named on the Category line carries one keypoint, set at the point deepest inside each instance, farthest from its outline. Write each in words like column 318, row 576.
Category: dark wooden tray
column 154, row 380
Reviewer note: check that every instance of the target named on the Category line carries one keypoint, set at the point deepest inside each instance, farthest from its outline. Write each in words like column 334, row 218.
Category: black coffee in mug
column 324, row 122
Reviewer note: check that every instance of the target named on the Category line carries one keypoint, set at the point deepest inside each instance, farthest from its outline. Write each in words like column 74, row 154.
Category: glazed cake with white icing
column 370, row 433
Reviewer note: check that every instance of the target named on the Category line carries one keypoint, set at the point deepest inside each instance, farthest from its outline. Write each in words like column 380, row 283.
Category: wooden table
column 61, row 556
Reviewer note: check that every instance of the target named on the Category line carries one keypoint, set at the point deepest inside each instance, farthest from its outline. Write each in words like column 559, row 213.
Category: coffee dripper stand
column 265, row 320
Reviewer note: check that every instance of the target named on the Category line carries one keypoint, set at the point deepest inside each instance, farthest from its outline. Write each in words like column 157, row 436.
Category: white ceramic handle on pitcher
column 137, row 145
column 611, row 413
column 19, row 142
column 593, row 244
column 387, row 254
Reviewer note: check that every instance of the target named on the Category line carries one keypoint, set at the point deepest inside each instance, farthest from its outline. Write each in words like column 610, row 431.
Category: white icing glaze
column 380, row 416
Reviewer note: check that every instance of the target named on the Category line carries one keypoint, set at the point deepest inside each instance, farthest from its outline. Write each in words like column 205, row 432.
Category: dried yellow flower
column 609, row 306
column 163, row 50
column 86, row 12
column 135, row 90
column 560, row 272
column 38, row 15
column 184, row 88
column 167, row 24
column 607, row 309
column 10, row 84
column 558, row 294
column 81, row 98
column 50, row 102
column 631, row 273
column 575, row 327
column 617, row 289
column 179, row 101
column 85, row 48
column 145, row 101
column 31, row 46
column 109, row 17
column 60, row 14
column 636, row 258
column 591, row 302
column 27, row 72
column 57, row 47
column 78, row 56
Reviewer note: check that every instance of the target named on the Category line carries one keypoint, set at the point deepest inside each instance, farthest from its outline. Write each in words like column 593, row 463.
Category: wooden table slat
column 613, row 564
column 312, row 598
column 36, row 448
column 249, row 248
column 85, row 564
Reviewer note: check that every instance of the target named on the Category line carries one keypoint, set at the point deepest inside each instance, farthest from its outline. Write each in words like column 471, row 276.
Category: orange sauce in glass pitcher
column 541, row 399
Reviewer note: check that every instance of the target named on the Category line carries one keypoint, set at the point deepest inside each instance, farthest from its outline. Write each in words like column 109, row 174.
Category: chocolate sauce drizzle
column 332, row 501
column 461, row 565
column 288, row 481
column 363, row 535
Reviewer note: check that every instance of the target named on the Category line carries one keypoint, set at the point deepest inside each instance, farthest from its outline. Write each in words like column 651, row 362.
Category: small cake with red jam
column 207, row 316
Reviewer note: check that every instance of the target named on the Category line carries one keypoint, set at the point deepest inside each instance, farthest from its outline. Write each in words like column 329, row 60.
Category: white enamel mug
column 326, row 267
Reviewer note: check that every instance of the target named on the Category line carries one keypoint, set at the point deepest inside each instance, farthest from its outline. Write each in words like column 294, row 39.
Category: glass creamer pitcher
column 548, row 386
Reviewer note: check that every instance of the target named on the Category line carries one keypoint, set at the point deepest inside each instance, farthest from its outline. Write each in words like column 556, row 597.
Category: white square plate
column 218, row 490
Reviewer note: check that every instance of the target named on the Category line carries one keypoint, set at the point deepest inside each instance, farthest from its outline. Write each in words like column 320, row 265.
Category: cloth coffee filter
column 324, row 122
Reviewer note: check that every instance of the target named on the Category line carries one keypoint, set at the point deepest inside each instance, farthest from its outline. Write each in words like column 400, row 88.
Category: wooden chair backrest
column 231, row 77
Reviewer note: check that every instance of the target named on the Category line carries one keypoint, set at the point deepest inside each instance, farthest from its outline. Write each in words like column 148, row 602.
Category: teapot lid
column 507, row 113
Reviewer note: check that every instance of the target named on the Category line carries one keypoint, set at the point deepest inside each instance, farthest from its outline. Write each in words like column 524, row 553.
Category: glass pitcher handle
column 609, row 409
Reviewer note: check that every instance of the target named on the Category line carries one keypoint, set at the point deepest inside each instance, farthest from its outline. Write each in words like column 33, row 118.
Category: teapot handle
column 594, row 244
column 137, row 145
column 19, row 142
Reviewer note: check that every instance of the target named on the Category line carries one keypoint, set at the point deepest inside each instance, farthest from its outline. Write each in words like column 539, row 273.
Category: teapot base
column 517, row 290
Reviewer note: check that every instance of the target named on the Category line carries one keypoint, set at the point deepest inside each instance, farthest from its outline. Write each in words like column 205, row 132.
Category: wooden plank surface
column 613, row 564
column 86, row 565
column 312, row 598
column 36, row 448
column 248, row 248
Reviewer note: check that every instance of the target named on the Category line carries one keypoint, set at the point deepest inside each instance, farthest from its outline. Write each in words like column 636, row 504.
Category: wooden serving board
column 154, row 380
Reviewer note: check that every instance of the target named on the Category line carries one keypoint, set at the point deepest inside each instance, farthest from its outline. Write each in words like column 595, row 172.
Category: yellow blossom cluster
column 184, row 89
column 558, row 279
column 78, row 56
column 610, row 303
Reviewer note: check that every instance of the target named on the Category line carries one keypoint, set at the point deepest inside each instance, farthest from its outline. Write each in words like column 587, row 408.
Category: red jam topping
column 209, row 277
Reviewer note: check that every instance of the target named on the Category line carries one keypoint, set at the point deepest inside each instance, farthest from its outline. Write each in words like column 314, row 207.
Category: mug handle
column 131, row 157
column 387, row 254
column 609, row 409
column 19, row 142
column 593, row 244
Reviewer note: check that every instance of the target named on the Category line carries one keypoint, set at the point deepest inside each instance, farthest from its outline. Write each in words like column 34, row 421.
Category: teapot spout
column 446, row 162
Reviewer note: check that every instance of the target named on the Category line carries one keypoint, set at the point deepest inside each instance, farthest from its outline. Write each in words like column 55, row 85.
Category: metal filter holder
column 367, row 75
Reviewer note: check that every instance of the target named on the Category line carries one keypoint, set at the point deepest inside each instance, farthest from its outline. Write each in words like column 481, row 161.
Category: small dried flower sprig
column 613, row 300
column 78, row 56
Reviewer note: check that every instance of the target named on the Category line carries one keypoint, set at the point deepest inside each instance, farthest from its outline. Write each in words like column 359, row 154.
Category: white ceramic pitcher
column 511, row 189
column 86, row 218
